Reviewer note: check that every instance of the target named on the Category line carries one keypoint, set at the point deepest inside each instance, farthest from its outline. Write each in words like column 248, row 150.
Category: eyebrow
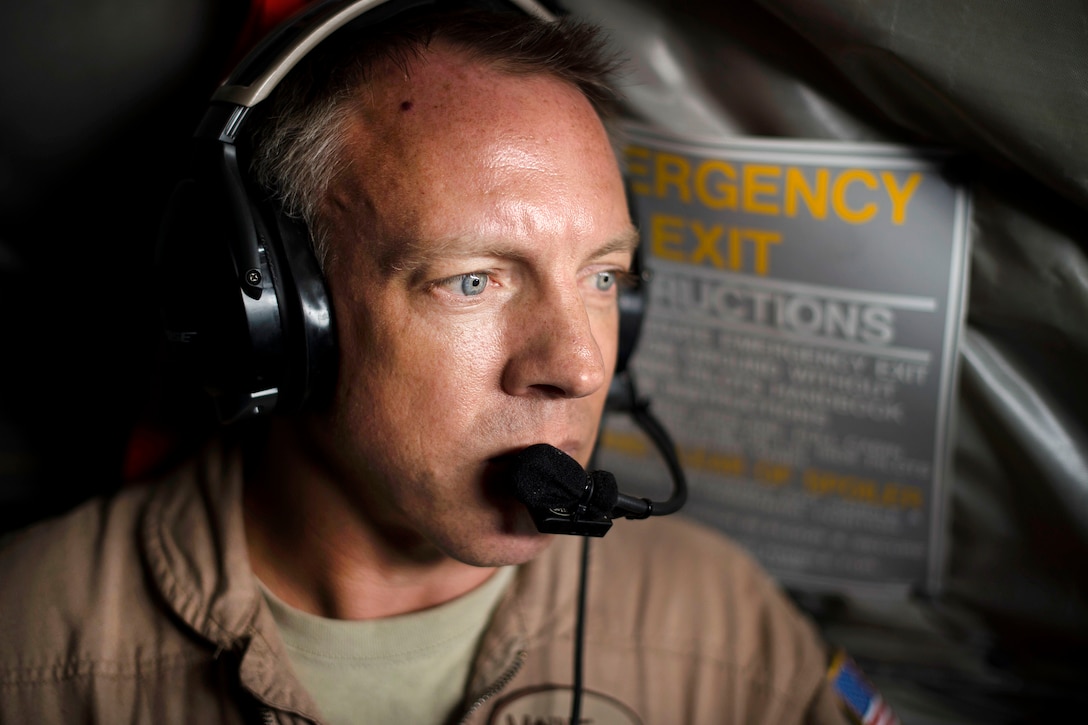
column 411, row 255
column 627, row 241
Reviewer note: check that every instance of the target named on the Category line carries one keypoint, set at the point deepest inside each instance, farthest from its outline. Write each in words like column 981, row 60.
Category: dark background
column 98, row 99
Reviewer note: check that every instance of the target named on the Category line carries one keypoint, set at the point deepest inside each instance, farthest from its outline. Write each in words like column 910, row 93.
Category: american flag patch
column 859, row 698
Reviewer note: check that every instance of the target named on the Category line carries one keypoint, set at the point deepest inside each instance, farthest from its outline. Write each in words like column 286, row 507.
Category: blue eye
column 473, row 284
column 606, row 280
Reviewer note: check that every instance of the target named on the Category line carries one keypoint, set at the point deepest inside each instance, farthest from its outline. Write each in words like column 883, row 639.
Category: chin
column 508, row 545
column 524, row 550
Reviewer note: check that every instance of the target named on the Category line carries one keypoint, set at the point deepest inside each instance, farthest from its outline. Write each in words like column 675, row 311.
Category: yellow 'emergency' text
column 854, row 195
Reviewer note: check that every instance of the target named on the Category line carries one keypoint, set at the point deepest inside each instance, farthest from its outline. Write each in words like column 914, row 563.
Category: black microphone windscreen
column 605, row 492
column 546, row 477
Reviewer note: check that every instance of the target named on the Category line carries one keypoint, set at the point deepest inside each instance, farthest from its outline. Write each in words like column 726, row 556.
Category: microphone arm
column 623, row 397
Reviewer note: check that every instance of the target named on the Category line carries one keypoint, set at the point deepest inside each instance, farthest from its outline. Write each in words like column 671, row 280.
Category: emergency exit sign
column 800, row 346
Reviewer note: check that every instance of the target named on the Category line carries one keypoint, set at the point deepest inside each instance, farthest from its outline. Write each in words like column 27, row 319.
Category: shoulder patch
column 859, row 698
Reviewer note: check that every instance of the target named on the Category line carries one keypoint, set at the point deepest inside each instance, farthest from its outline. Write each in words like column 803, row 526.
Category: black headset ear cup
column 632, row 304
column 256, row 334
column 632, row 297
column 207, row 330
column 309, row 334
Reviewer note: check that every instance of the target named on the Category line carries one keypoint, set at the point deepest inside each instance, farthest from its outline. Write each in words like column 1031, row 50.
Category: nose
column 555, row 350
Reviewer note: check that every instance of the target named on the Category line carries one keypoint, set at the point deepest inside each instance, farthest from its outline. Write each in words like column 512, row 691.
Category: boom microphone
column 563, row 498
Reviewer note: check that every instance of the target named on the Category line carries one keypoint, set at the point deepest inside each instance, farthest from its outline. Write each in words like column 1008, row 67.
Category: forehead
column 448, row 146
column 445, row 97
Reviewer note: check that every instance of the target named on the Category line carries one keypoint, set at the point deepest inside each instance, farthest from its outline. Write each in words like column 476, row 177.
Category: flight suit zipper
column 497, row 686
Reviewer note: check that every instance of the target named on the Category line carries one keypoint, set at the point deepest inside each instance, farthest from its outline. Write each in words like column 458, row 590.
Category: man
column 366, row 561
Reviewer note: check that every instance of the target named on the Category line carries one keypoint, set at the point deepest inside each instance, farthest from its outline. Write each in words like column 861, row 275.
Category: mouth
column 499, row 491
column 497, row 478
column 498, row 470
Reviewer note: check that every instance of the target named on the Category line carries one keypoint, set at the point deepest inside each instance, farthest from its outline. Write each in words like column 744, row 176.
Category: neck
column 313, row 542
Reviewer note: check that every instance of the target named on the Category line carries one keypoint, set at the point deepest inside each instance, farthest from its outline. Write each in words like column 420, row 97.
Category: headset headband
column 281, row 51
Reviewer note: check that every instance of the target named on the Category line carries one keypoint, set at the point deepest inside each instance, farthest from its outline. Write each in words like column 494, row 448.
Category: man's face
column 476, row 237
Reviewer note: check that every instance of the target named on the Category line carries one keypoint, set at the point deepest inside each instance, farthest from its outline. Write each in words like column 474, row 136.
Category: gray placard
column 800, row 346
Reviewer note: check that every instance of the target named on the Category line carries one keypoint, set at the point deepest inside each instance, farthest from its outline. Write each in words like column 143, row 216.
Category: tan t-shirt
column 411, row 668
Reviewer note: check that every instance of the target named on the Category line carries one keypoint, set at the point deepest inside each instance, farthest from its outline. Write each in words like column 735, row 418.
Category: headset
column 245, row 309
